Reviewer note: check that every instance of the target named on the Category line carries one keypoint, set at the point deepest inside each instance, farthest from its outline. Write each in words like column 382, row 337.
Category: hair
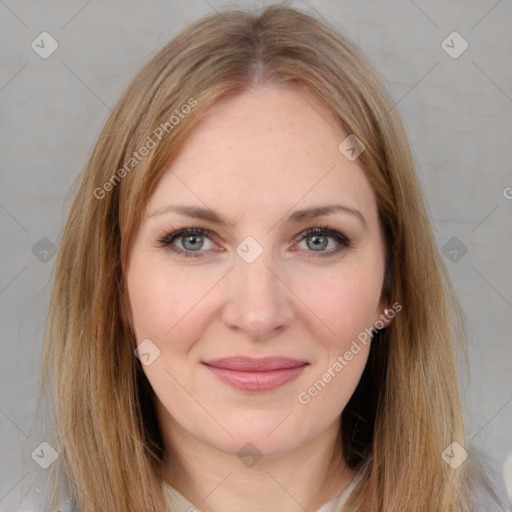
column 407, row 407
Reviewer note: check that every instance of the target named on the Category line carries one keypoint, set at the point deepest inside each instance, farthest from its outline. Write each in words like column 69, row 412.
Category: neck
column 216, row 481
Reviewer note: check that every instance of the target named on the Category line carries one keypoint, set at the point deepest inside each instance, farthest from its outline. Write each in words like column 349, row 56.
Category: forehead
column 265, row 150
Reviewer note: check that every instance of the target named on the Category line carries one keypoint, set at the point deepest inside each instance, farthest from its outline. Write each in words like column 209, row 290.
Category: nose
column 259, row 302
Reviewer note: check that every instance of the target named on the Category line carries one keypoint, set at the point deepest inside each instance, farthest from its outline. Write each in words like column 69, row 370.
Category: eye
column 319, row 240
column 192, row 240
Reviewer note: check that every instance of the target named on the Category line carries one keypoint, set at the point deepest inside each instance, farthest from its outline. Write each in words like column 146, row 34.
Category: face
column 255, row 309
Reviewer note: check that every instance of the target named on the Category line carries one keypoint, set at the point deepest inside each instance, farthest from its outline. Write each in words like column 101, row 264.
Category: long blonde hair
column 406, row 409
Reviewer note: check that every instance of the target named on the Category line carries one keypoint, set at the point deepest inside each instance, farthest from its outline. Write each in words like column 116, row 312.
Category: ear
column 387, row 311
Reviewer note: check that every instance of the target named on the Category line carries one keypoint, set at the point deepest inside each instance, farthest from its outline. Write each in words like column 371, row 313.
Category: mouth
column 256, row 374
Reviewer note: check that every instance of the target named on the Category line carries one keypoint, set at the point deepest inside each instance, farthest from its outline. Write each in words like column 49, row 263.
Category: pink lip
column 262, row 374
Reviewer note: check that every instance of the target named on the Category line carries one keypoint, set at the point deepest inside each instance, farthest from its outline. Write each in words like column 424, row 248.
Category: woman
column 250, row 311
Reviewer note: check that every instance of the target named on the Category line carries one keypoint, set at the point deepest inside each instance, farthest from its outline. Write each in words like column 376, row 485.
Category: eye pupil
column 197, row 242
column 319, row 241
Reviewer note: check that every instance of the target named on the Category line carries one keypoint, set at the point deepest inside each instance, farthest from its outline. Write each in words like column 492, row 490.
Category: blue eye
column 192, row 240
column 320, row 240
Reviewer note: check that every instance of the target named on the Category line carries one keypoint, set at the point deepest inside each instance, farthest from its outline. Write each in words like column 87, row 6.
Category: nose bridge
column 258, row 301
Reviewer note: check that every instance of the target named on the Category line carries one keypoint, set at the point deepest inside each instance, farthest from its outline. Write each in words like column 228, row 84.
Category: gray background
column 457, row 113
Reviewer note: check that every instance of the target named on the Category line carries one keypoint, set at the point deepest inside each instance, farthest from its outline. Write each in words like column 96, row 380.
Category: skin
column 254, row 159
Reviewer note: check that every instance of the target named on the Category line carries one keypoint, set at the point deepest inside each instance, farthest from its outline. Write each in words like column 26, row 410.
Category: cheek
column 166, row 302
column 149, row 303
column 345, row 302
column 346, row 306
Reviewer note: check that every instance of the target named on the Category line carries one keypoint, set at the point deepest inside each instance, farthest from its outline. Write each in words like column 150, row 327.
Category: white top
column 178, row 503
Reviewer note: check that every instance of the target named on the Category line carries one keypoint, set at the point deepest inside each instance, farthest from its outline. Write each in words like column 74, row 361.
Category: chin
column 269, row 436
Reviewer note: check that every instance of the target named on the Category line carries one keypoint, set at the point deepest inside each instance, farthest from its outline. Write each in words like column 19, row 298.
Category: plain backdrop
column 457, row 110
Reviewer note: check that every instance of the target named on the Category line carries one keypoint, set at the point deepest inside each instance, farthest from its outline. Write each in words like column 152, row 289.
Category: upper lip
column 251, row 364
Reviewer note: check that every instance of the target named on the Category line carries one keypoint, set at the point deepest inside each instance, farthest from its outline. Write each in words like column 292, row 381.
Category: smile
column 263, row 374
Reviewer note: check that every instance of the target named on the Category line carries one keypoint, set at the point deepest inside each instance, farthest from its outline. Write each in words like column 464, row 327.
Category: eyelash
column 344, row 241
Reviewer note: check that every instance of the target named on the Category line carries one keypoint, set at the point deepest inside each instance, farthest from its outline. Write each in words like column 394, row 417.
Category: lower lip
column 257, row 381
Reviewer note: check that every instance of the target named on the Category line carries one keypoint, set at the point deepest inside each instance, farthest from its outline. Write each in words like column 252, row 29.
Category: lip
column 256, row 374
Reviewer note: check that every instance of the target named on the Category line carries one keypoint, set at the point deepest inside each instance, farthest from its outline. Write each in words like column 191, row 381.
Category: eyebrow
column 296, row 217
